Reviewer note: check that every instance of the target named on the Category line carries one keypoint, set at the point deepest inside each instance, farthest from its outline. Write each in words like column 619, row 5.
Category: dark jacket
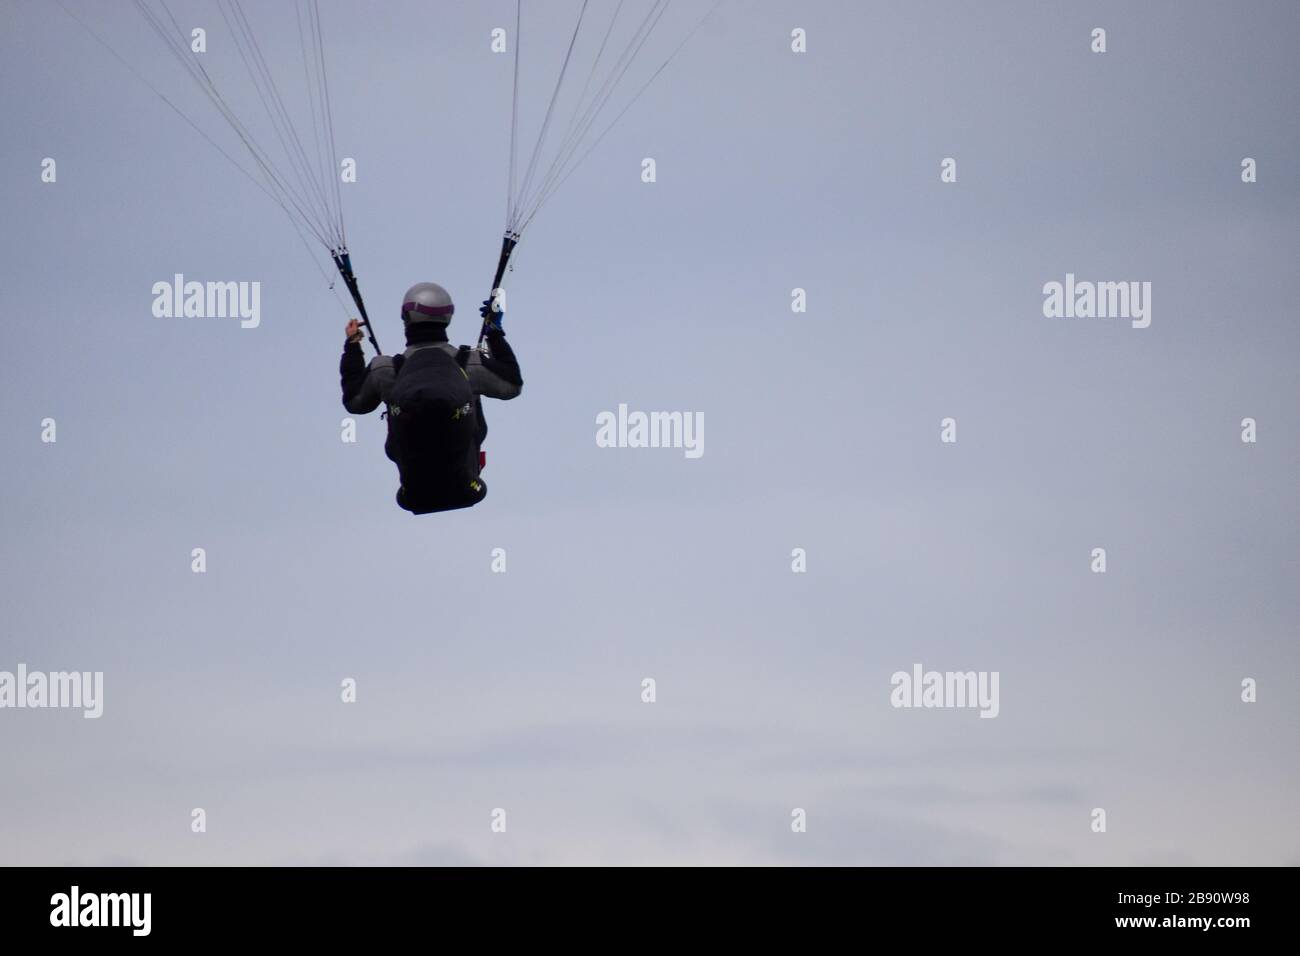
column 493, row 373
column 437, row 482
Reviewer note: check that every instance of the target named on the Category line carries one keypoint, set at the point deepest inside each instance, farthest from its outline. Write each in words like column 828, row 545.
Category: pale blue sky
column 521, row 690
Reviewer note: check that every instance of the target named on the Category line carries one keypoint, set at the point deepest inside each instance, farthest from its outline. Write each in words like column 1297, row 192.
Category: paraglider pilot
column 433, row 391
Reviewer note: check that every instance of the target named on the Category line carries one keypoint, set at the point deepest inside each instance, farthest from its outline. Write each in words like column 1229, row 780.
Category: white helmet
column 427, row 302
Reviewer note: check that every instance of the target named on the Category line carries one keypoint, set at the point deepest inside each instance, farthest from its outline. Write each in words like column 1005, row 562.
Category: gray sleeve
column 488, row 383
column 379, row 379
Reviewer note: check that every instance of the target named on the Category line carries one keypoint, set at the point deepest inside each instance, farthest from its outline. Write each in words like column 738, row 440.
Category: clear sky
column 775, row 170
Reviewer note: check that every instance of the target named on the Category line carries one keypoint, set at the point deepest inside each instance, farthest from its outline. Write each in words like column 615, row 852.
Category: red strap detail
column 482, row 459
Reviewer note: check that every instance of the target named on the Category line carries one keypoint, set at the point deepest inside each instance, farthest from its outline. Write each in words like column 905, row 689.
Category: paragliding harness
column 435, row 421
column 435, row 427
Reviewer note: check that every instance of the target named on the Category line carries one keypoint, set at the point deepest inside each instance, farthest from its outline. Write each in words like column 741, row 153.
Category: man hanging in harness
column 433, row 391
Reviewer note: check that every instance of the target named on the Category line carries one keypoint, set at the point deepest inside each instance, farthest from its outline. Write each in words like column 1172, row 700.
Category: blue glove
column 491, row 319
